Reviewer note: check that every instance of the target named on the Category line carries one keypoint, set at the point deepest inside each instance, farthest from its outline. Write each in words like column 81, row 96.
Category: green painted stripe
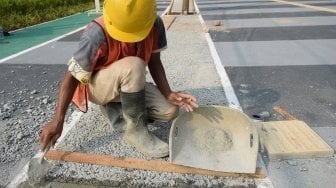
column 28, row 37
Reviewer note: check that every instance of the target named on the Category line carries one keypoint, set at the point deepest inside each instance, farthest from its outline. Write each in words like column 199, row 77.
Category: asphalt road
column 278, row 54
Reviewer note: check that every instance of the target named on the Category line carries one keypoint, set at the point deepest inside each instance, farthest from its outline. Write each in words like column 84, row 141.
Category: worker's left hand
column 188, row 102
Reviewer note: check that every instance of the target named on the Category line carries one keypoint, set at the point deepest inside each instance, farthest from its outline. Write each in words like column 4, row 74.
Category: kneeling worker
column 108, row 69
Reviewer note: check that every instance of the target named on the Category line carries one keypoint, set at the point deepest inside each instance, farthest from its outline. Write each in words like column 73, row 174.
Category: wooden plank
column 283, row 113
column 168, row 20
column 135, row 163
column 292, row 139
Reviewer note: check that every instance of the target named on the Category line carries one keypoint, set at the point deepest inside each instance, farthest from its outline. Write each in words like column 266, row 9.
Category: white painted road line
column 307, row 6
column 225, row 81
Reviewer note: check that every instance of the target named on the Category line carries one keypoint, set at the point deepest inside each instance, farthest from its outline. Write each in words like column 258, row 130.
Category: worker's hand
column 50, row 133
column 188, row 102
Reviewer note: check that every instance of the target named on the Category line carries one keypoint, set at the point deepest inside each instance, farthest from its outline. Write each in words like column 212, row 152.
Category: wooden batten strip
column 283, row 113
column 168, row 20
column 136, row 163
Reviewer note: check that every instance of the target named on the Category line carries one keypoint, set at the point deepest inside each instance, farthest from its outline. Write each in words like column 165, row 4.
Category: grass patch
column 15, row 14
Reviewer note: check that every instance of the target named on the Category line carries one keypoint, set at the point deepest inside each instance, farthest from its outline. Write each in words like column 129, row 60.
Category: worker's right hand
column 50, row 133
column 188, row 102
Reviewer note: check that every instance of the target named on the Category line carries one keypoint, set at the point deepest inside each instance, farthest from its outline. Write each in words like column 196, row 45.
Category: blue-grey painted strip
column 239, row 7
column 275, row 33
column 266, row 15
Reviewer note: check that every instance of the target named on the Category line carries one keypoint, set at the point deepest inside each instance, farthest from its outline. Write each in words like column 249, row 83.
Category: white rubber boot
column 136, row 133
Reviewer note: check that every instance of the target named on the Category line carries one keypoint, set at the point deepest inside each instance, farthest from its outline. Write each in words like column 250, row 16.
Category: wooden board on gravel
column 292, row 139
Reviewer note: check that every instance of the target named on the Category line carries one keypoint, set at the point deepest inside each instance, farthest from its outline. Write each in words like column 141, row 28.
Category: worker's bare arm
column 53, row 129
column 158, row 74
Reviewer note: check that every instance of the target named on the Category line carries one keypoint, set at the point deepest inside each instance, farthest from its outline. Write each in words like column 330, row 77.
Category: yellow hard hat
column 129, row 20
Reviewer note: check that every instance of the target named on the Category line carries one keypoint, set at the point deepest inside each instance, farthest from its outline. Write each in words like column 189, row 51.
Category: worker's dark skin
column 53, row 129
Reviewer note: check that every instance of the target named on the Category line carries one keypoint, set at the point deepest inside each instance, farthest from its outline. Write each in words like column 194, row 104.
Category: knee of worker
column 133, row 75
column 167, row 113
